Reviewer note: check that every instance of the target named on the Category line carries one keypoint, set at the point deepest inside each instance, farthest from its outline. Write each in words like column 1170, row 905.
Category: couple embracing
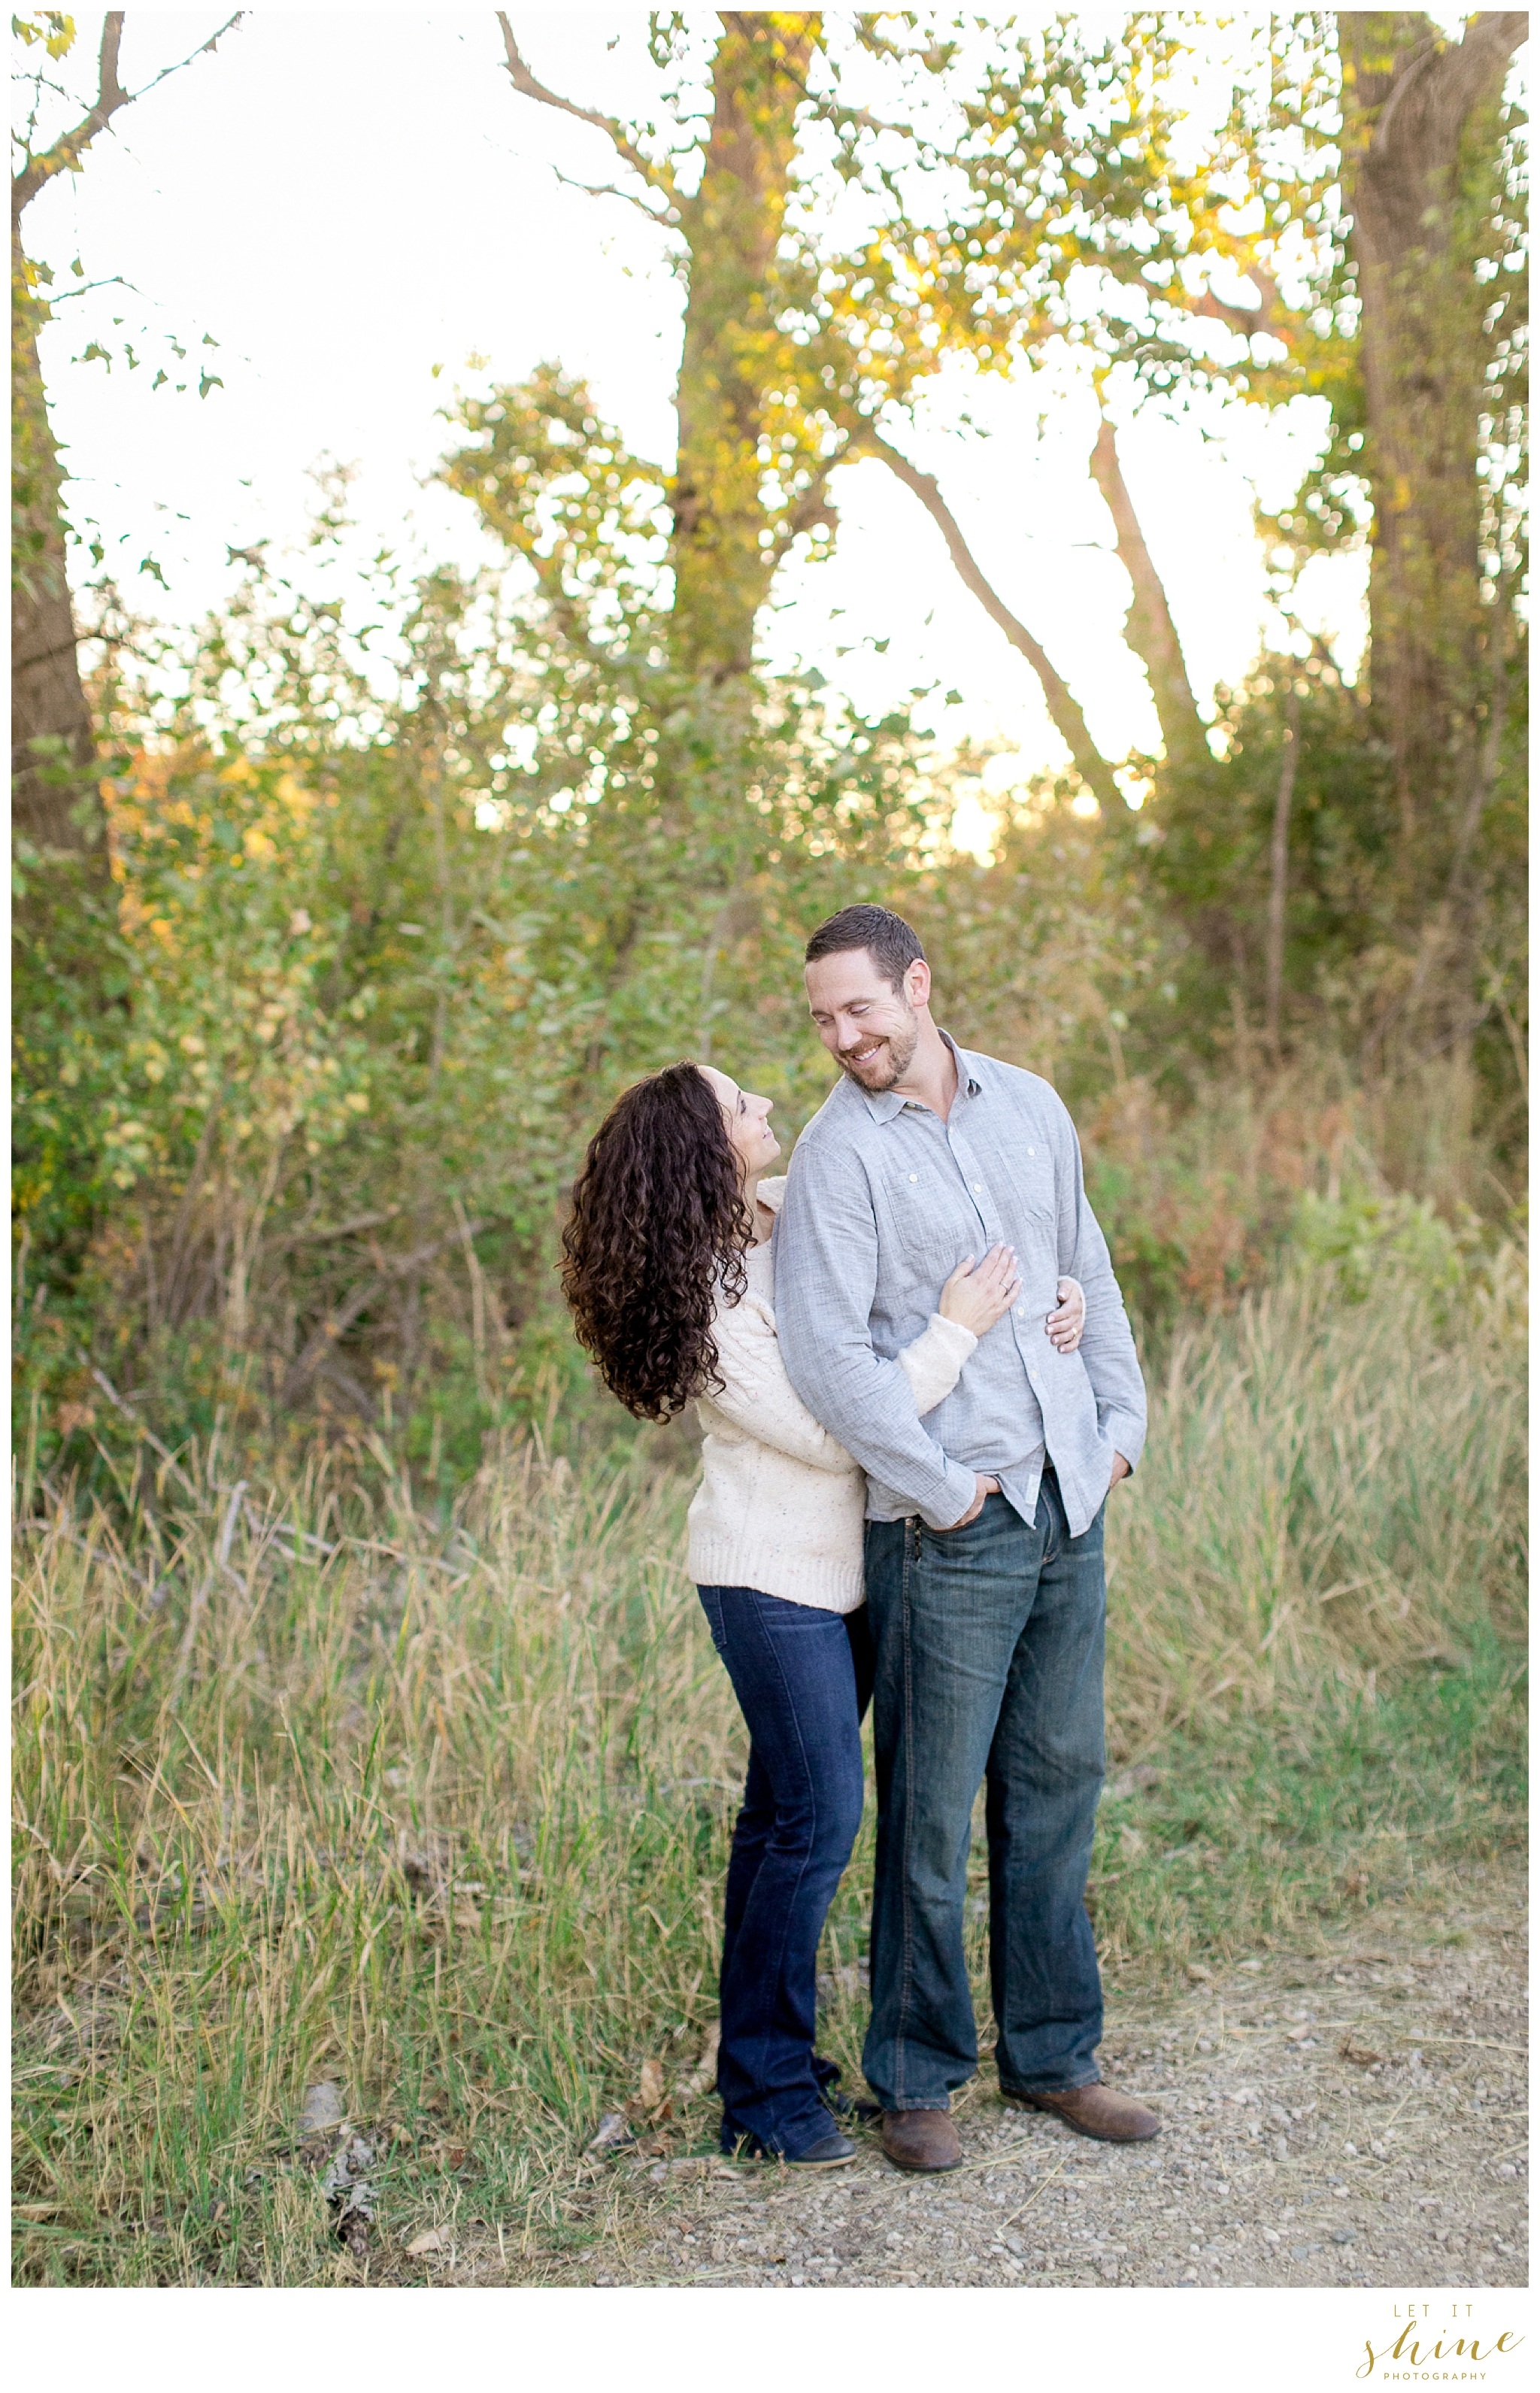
column 918, row 1385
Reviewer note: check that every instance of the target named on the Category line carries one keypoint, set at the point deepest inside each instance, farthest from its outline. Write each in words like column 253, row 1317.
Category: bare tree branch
column 833, row 111
column 397, row 1267
column 613, row 192
column 1151, row 632
column 69, row 150
column 658, row 178
column 212, row 44
column 349, row 1229
column 148, row 1434
column 1068, row 720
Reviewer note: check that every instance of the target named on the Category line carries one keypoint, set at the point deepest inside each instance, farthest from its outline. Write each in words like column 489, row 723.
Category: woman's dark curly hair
column 657, row 1229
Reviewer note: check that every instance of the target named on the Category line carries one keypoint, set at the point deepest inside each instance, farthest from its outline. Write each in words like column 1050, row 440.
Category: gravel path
column 1356, row 2118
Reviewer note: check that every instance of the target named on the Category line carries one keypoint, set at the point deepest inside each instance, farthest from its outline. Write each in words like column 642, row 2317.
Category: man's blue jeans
column 989, row 1650
column 803, row 1678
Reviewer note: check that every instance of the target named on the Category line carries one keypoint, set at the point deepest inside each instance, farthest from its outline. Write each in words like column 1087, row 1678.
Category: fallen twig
column 1032, row 2197
column 995, row 2160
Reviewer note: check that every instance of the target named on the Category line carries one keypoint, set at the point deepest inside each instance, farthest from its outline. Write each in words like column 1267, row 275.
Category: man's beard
column 889, row 1064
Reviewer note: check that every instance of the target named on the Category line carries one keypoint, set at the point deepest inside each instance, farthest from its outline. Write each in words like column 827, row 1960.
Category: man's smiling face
column 870, row 1028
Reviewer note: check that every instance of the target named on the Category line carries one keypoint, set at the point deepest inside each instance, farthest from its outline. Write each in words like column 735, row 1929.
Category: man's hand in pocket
column 1120, row 1469
column 982, row 1487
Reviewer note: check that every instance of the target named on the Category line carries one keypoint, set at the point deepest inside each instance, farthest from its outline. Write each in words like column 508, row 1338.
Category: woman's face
column 754, row 1142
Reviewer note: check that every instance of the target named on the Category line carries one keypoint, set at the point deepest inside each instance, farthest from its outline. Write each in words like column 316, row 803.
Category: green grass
column 311, row 1782
column 1246, row 1837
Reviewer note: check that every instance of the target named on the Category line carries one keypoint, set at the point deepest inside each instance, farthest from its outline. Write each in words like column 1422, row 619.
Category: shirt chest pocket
column 1021, row 1174
column 935, row 1226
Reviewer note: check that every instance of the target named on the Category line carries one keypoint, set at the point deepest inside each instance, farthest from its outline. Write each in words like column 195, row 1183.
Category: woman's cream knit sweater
column 782, row 1505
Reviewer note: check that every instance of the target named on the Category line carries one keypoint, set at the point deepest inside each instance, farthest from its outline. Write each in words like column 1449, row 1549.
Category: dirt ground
column 1352, row 2118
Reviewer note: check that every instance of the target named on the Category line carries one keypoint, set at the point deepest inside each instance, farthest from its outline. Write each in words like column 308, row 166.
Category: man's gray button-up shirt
column 883, row 1200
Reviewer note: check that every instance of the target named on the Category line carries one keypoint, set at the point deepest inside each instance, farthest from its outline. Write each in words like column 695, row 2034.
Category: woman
column 670, row 1273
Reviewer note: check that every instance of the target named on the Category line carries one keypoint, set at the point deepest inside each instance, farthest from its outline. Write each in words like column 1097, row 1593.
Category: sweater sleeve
column 758, row 1397
column 933, row 1364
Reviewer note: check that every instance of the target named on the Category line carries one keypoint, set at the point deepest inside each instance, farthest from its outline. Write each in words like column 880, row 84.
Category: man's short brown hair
column 888, row 940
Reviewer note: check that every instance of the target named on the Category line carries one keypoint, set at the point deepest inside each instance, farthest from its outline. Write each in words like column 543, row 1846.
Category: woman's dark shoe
column 826, row 2074
column 831, row 2152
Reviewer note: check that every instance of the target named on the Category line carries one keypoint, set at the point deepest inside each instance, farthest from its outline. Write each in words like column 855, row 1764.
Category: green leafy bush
column 1364, row 1235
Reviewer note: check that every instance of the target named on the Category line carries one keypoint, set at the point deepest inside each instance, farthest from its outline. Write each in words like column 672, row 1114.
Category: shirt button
column 1021, row 1312
column 1032, row 1150
column 978, row 1187
column 914, row 1178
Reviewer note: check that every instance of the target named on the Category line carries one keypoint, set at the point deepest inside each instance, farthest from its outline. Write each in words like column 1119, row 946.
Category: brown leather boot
column 1095, row 2111
column 920, row 2140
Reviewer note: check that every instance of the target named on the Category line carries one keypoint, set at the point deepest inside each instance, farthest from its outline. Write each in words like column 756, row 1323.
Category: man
column 984, row 1560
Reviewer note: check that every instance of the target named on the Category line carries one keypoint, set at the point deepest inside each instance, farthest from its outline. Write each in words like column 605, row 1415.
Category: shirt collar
column 968, row 1082
column 884, row 1104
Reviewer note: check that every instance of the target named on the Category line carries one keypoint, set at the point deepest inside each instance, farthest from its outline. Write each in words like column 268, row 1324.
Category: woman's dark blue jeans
column 803, row 1678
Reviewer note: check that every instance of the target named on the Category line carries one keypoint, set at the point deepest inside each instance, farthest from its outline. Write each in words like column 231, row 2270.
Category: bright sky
column 346, row 199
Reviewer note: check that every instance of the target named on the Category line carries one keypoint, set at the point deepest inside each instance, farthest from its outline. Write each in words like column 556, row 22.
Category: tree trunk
column 1418, row 125
column 1150, row 630
column 722, row 564
column 48, row 701
column 53, row 799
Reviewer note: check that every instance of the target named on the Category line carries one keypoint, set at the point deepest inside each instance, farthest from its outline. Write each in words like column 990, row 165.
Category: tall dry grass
column 320, row 1782
column 1333, row 1489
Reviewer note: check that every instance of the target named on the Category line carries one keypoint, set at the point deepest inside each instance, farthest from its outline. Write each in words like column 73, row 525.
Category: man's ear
column 917, row 983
